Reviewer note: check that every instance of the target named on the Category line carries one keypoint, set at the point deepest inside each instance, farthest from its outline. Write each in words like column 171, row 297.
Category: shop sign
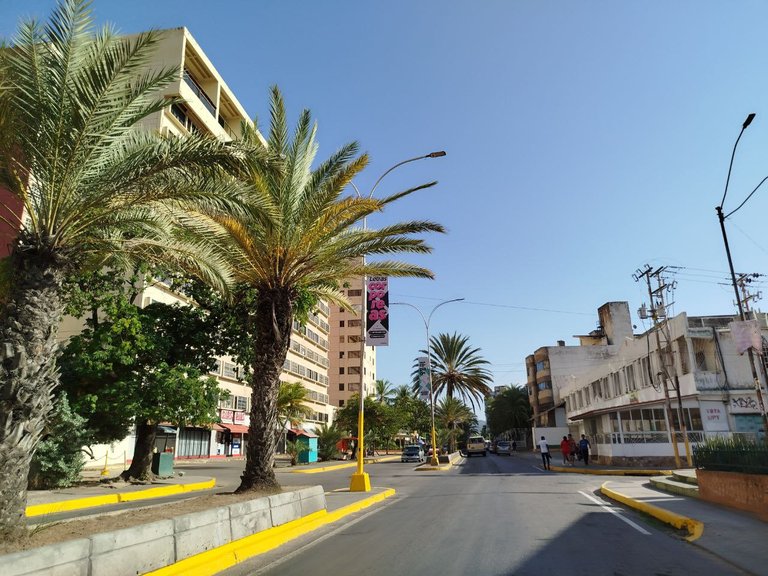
column 226, row 415
column 239, row 417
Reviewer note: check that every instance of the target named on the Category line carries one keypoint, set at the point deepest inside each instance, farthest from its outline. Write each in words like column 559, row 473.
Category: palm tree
column 300, row 238
column 291, row 404
column 457, row 369
column 450, row 413
column 89, row 189
column 384, row 391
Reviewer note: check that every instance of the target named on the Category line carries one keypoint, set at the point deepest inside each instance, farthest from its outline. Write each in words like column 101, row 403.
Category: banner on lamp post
column 423, row 378
column 377, row 311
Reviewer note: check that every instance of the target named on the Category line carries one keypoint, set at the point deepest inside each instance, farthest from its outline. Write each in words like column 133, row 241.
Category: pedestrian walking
column 514, row 446
column 565, row 448
column 545, row 455
column 573, row 450
column 584, row 446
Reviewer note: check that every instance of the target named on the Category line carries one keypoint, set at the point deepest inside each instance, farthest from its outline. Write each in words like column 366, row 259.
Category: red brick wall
column 743, row 491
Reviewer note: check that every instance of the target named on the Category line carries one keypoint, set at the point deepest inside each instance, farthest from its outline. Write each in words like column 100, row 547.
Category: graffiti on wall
column 744, row 402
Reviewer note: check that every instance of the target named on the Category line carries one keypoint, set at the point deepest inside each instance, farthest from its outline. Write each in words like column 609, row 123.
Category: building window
column 241, row 403
column 341, row 387
column 354, row 323
column 353, row 339
column 542, row 365
column 355, row 292
column 353, row 369
column 341, row 403
column 341, row 354
column 341, row 323
column 354, row 354
column 341, row 370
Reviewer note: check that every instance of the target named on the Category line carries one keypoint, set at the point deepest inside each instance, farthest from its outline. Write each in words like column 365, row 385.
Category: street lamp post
column 433, row 460
column 360, row 481
column 742, row 316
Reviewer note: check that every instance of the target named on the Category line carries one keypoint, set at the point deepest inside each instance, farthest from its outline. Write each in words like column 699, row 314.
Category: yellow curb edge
column 94, row 501
column 219, row 559
column 694, row 528
column 604, row 472
column 346, row 465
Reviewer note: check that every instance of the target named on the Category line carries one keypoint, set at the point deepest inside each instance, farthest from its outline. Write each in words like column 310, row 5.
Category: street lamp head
column 748, row 121
column 440, row 153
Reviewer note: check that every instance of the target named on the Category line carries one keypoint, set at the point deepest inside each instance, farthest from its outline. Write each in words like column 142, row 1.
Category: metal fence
column 744, row 457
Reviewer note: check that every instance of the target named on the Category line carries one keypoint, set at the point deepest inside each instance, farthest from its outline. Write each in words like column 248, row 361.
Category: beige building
column 351, row 363
column 211, row 108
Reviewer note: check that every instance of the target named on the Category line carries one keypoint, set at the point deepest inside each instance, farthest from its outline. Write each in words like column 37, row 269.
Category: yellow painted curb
column 604, row 472
column 340, row 466
column 694, row 528
column 223, row 557
column 94, row 501
column 429, row 468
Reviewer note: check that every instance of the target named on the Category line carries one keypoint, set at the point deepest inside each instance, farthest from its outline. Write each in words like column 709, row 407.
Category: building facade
column 612, row 387
column 211, row 108
column 352, row 364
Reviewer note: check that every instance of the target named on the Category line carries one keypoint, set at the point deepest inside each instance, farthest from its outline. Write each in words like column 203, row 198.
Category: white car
column 503, row 447
column 413, row 453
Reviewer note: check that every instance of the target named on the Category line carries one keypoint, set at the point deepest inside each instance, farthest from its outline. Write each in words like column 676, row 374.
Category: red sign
column 239, row 417
column 226, row 415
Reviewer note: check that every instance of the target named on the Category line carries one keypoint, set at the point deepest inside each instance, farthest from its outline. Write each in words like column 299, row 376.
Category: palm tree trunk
column 141, row 464
column 29, row 326
column 273, row 319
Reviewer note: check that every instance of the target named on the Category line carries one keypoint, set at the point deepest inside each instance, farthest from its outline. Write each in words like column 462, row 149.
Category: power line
column 511, row 306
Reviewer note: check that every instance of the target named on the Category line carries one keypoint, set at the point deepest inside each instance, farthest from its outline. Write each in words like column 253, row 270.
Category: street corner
column 693, row 527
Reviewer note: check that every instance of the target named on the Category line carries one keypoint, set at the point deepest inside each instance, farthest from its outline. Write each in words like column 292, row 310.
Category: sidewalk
column 737, row 537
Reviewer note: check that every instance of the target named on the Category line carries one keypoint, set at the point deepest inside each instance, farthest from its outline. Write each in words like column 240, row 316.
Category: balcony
column 200, row 93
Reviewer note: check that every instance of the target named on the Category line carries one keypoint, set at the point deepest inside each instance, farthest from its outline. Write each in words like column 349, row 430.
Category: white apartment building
column 611, row 387
column 210, row 107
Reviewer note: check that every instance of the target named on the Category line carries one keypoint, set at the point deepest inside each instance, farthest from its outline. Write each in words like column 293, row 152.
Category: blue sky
column 584, row 140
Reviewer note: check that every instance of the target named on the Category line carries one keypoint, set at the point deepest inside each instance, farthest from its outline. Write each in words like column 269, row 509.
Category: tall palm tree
column 301, row 238
column 384, row 391
column 450, row 413
column 291, row 404
column 457, row 369
column 403, row 392
column 89, row 188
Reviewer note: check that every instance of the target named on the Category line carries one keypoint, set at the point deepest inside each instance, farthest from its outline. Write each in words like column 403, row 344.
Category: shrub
column 735, row 454
column 59, row 459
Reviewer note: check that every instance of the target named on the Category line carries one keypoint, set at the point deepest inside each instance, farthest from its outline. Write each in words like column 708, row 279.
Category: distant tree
column 508, row 411
column 458, row 370
column 384, row 391
column 328, row 438
column 451, row 413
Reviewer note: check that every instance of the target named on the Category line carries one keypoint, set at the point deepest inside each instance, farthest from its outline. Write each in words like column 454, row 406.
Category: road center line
column 616, row 513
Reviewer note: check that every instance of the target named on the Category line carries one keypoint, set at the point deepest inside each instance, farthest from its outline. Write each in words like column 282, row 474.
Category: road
column 487, row 516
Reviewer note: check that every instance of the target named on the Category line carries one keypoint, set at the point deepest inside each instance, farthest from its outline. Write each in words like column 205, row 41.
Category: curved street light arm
column 430, row 155
column 746, row 123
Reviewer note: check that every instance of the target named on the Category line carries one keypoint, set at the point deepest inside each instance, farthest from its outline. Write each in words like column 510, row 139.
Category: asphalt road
column 487, row 516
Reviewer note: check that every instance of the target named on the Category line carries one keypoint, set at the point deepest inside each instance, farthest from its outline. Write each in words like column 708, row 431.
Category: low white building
column 614, row 390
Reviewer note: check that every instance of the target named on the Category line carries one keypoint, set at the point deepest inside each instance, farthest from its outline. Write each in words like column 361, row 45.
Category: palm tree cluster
column 458, row 370
column 98, row 191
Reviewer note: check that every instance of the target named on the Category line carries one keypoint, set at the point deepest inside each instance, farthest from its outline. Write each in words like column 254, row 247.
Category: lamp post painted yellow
column 360, row 481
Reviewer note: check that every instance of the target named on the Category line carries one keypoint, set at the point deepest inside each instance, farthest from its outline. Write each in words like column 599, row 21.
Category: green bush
column 327, row 439
column 59, row 459
column 735, row 454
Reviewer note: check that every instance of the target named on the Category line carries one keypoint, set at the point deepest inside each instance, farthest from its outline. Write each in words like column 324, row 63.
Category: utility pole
column 655, row 307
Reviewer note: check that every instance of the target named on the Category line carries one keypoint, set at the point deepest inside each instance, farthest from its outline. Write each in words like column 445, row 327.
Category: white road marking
column 616, row 513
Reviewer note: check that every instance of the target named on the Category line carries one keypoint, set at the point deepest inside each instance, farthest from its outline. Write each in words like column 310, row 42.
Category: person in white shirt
column 545, row 456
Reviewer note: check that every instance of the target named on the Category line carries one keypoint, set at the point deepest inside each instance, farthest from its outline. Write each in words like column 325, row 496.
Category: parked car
column 476, row 445
column 503, row 447
column 413, row 453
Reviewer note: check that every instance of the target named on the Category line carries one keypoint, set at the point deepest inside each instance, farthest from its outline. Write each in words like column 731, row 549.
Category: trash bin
column 162, row 463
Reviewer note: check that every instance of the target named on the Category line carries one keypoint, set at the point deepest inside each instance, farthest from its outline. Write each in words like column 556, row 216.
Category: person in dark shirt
column 584, row 449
